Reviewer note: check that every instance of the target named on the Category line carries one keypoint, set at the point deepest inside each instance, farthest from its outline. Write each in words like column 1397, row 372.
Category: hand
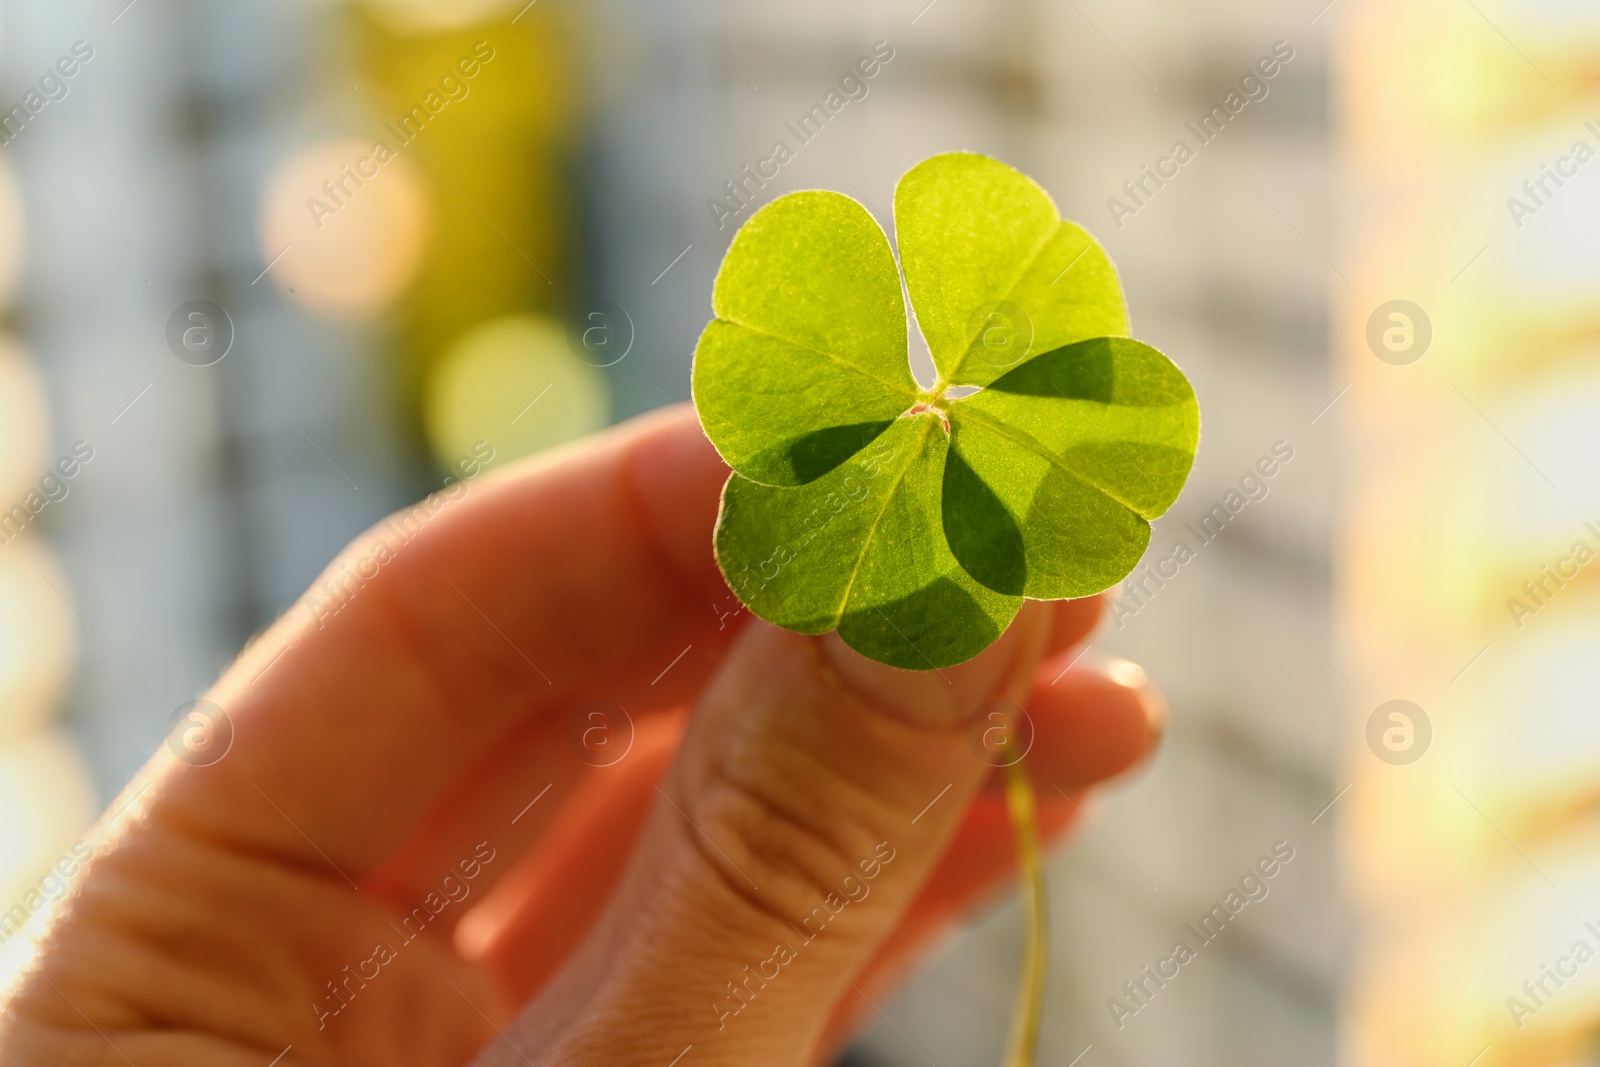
column 408, row 856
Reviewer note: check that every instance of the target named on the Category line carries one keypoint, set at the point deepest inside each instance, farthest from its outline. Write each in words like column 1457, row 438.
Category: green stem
column 1023, row 1042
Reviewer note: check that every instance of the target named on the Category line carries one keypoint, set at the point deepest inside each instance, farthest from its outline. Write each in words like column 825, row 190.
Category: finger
column 550, row 771
column 1097, row 720
column 589, row 574
column 532, row 921
column 490, row 798
column 788, row 827
column 980, row 861
column 1072, row 621
column 536, row 918
column 1094, row 717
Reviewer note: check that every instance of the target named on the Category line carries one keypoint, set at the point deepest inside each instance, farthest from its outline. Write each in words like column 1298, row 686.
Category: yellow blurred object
column 1468, row 586
column 36, row 637
column 344, row 223
column 497, row 161
column 24, row 424
column 13, row 230
column 434, row 16
column 514, row 383
column 46, row 801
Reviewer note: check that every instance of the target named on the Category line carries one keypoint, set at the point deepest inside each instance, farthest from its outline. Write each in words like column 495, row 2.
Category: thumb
column 813, row 795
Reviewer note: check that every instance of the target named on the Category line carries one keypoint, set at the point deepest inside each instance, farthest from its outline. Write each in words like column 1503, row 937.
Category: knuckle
column 775, row 842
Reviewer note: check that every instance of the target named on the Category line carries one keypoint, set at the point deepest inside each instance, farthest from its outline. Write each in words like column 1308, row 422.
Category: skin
column 402, row 746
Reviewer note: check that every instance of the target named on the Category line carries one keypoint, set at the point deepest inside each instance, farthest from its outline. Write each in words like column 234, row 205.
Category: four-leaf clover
column 915, row 520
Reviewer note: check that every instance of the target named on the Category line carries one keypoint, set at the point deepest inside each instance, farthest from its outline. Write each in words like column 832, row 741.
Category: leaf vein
column 908, row 386
column 1027, row 441
column 1011, row 288
column 872, row 531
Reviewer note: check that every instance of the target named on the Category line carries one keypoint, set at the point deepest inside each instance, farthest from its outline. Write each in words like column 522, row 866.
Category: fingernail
column 1131, row 676
column 950, row 695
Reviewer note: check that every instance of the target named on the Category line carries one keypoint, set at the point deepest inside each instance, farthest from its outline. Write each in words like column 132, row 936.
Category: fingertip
column 953, row 694
column 1094, row 720
column 1135, row 680
column 1074, row 620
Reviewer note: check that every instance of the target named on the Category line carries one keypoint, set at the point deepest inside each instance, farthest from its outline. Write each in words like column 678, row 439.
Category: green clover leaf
column 915, row 520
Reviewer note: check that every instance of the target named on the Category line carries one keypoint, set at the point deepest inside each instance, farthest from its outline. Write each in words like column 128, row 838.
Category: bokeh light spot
column 344, row 224
column 514, row 383
column 36, row 637
column 436, row 16
column 24, row 424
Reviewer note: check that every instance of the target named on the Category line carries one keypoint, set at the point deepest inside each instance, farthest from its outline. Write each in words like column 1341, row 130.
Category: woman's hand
column 518, row 781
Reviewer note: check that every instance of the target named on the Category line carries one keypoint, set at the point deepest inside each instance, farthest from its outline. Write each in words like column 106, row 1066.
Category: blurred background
column 270, row 269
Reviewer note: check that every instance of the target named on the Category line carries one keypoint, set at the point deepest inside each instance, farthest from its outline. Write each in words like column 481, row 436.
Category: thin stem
column 1022, row 1045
